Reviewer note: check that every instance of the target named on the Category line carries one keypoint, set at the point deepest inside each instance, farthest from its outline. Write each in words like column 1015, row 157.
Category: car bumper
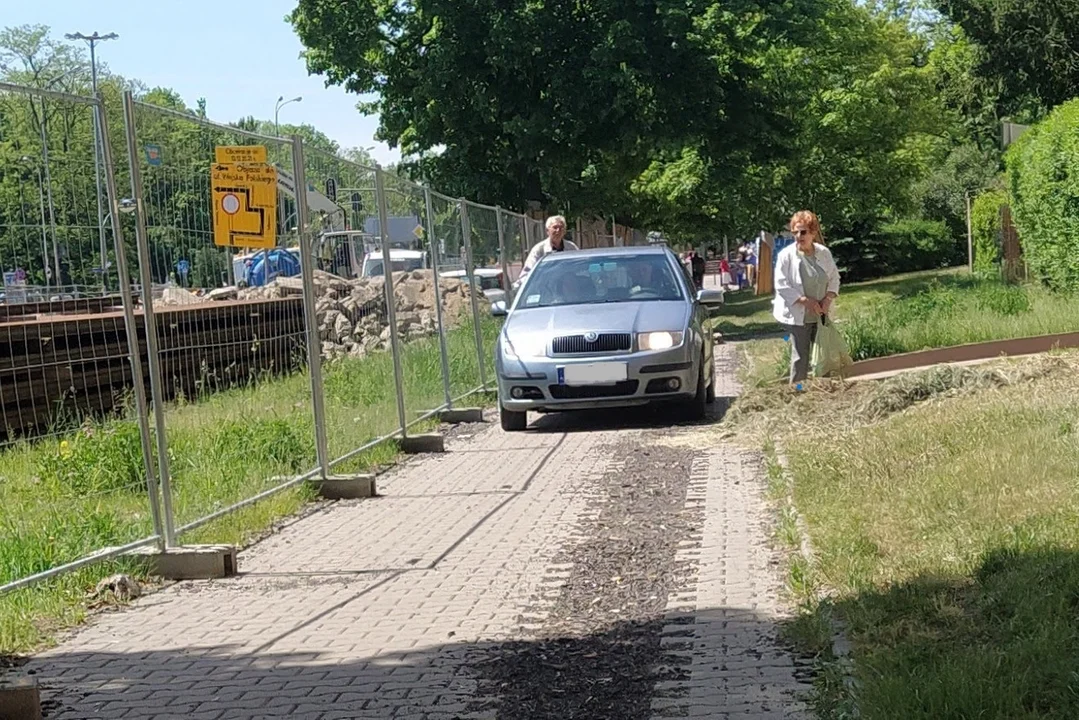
column 651, row 377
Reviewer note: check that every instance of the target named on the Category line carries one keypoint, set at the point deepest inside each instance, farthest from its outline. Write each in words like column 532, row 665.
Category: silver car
column 605, row 328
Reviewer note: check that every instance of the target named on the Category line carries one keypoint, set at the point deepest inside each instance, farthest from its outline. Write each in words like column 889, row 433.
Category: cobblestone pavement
column 585, row 569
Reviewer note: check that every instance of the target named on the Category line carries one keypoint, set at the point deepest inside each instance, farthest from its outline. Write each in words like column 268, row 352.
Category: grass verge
column 905, row 313
column 67, row 497
column 943, row 512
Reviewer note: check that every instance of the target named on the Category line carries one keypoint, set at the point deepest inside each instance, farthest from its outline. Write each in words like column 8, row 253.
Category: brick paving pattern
column 385, row 608
column 723, row 623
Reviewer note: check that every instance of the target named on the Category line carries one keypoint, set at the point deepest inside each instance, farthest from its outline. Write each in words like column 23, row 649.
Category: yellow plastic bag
column 830, row 355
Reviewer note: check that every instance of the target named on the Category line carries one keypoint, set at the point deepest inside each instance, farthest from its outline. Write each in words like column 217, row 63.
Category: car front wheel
column 698, row 405
column 512, row 421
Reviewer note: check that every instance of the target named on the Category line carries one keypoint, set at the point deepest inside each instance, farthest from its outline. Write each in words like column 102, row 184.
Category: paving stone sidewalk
column 473, row 588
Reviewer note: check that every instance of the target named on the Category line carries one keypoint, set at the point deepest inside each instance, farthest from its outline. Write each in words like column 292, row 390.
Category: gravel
column 597, row 654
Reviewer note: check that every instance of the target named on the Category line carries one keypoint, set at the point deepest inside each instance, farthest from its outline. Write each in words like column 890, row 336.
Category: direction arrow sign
column 245, row 206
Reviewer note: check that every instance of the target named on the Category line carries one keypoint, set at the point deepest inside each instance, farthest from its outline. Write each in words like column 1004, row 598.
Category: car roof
column 608, row 252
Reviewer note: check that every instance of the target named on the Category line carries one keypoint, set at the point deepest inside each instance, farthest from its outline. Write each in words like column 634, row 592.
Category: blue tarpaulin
column 271, row 264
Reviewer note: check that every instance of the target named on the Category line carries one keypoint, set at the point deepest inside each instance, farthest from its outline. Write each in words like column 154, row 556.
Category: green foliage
column 942, row 193
column 1043, row 180
column 539, row 100
column 97, row 459
column 1028, row 49
column 856, row 101
column 976, row 100
column 272, row 440
column 985, row 228
column 1004, row 300
column 867, row 339
column 699, row 118
column 47, row 168
column 898, row 247
column 965, row 309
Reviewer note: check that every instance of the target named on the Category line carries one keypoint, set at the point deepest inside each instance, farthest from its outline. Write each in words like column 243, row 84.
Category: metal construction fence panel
column 227, row 374
column 450, row 244
column 198, row 317
column 77, row 482
column 351, row 309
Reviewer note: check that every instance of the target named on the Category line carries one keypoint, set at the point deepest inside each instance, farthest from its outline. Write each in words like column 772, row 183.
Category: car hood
column 631, row 317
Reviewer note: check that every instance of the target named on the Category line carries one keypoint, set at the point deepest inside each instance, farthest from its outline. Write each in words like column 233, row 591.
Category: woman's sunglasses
column 800, row 233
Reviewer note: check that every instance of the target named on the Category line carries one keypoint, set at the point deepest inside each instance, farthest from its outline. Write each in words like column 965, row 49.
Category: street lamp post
column 282, row 102
column 92, row 41
column 282, row 221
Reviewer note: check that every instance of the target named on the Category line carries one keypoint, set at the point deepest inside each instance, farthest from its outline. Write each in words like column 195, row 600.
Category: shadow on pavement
column 631, row 418
column 611, row 674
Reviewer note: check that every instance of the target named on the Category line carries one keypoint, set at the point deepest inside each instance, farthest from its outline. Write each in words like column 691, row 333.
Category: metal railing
column 243, row 374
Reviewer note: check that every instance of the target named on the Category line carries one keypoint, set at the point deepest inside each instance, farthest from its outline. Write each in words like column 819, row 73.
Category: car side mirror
column 498, row 308
column 710, row 297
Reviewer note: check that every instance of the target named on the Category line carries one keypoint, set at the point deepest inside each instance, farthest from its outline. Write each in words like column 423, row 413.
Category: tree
column 1029, row 48
column 942, row 193
column 979, row 102
column 47, row 212
column 46, row 162
column 28, row 56
column 560, row 102
column 856, row 107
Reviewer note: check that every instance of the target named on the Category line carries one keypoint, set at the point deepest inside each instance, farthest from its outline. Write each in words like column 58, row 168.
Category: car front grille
column 604, row 342
column 586, row 392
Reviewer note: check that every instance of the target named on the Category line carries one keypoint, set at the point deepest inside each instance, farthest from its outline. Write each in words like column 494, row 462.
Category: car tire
column 698, row 406
column 512, row 421
column 710, row 391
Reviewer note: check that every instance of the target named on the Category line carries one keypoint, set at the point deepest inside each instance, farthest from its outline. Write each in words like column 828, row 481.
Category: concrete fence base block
column 457, row 416
column 345, row 487
column 193, row 562
column 429, row 443
column 20, row 698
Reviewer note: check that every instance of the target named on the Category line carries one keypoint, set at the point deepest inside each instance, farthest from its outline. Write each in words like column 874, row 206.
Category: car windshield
column 610, row 279
column 490, row 282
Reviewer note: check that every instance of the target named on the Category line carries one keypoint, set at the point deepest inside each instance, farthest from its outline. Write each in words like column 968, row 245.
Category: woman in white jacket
column 806, row 283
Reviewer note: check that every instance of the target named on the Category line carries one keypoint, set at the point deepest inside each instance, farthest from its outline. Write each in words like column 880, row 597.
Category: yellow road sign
column 418, row 231
column 224, row 154
column 245, row 205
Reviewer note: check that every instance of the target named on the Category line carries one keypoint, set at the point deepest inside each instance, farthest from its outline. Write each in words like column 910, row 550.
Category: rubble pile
column 351, row 314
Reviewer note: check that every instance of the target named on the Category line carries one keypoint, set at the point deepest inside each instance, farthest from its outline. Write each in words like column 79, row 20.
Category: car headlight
column 659, row 340
column 522, row 348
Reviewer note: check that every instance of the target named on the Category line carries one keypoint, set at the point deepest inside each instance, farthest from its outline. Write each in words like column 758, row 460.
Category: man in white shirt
column 555, row 242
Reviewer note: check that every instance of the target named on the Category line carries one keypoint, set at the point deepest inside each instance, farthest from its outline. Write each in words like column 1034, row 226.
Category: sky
column 240, row 55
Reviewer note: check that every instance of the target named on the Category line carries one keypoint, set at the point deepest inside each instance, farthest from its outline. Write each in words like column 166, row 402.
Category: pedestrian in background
column 806, row 283
column 697, row 265
column 751, row 265
column 555, row 242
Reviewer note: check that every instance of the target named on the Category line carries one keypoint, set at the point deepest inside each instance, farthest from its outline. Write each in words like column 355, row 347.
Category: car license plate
column 592, row 374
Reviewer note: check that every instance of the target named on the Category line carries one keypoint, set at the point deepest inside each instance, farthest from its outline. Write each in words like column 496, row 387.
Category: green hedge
column 911, row 245
column 897, row 247
column 985, row 225
column 1043, row 180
